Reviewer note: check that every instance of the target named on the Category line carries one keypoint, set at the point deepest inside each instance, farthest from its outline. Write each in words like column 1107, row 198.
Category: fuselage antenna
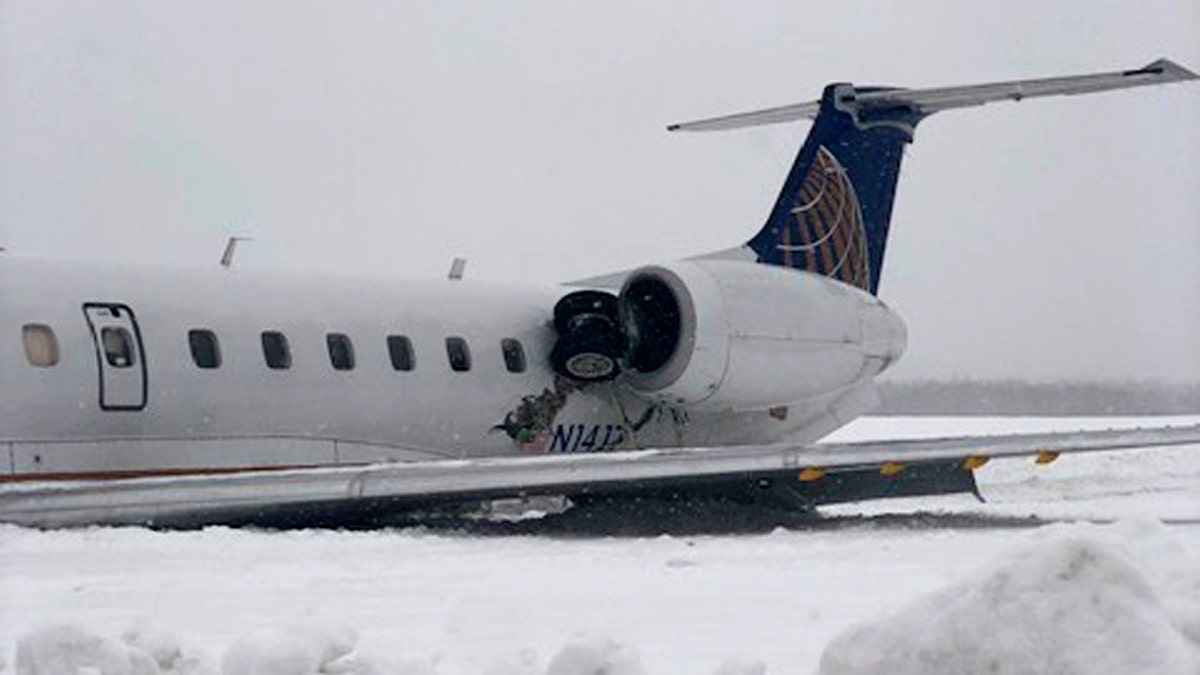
column 230, row 248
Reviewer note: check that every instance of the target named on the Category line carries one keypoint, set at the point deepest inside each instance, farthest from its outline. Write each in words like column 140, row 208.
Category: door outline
column 128, row 320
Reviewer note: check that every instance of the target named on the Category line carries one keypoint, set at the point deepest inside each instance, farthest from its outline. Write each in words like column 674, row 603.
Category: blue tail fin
column 832, row 215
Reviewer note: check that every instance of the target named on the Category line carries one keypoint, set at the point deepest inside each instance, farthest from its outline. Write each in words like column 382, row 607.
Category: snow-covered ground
column 925, row 585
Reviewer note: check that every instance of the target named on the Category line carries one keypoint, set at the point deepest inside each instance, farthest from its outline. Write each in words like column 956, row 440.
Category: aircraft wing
column 324, row 494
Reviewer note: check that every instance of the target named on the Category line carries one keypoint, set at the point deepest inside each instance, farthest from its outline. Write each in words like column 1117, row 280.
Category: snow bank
column 294, row 650
column 311, row 649
column 595, row 657
column 67, row 650
column 1069, row 599
column 300, row 649
column 600, row 656
column 742, row 667
column 1075, row 599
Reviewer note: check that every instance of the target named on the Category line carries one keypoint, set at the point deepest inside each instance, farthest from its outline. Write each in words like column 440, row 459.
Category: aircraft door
column 119, row 354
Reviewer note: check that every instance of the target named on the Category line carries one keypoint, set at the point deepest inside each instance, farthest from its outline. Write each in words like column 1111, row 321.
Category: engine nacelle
column 739, row 335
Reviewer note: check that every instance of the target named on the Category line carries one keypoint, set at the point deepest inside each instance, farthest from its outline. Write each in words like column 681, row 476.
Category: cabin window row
column 41, row 350
column 277, row 353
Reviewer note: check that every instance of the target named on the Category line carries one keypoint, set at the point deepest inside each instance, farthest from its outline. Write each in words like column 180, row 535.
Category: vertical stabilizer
column 833, row 213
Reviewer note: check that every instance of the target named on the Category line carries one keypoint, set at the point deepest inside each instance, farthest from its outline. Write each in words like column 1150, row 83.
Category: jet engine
column 727, row 335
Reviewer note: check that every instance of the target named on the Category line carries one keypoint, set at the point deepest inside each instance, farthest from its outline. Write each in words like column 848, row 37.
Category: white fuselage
column 156, row 411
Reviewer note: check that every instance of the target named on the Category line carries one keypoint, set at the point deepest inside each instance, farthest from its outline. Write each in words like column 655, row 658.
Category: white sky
column 1051, row 239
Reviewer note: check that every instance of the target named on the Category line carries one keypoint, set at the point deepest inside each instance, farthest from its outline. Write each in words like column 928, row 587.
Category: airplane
column 165, row 397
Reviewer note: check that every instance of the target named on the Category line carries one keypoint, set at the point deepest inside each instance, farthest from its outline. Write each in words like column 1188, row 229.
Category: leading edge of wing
column 217, row 498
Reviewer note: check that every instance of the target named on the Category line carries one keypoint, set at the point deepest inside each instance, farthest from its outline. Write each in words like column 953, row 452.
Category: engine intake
column 651, row 315
column 727, row 335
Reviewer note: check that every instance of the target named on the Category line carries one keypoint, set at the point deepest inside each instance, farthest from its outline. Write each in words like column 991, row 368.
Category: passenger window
column 341, row 351
column 118, row 347
column 275, row 350
column 459, row 354
column 400, row 349
column 206, row 351
column 41, row 347
column 514, row 355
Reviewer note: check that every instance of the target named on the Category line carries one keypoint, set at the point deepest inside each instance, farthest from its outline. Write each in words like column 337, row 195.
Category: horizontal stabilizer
column 928, row 101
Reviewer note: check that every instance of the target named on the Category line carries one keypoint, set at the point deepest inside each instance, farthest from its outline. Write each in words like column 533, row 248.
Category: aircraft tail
column 833, row 213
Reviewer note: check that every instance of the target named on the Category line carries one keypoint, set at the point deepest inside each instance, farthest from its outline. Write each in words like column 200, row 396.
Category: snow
column 882, row 587
column 65, row 648
column 1070, row 600
column 299, row 649
column 593, row 657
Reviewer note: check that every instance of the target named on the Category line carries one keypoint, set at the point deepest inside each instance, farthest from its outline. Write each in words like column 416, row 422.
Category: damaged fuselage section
column 700, row 352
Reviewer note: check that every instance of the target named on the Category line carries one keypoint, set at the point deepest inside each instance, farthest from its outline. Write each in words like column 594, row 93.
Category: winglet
column 1173, row 71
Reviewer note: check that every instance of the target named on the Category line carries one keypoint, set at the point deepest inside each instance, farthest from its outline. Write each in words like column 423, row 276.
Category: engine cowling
column 738, row 335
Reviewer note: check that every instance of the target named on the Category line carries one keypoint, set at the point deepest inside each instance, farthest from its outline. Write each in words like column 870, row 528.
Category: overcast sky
column 1050, row 239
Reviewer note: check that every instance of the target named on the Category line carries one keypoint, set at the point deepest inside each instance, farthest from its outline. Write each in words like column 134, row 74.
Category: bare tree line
column 1049, row 399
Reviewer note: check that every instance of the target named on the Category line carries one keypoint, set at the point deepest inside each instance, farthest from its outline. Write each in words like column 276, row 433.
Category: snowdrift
column 300, row 649
column 1068, row 599
column 1073, row 599
column 66, row 649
